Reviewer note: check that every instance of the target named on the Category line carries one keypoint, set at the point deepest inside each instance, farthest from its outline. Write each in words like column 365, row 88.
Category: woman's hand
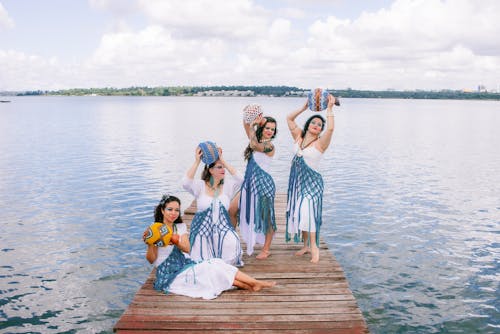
column 258, row 121
column 174, row 239
column 145, row 234
column 198, row 154
column 331, row 101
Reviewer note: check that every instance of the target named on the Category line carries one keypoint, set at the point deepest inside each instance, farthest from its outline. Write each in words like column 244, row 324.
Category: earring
column 211, row 181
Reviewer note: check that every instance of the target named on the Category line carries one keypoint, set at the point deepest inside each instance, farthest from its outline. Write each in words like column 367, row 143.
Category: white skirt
column 206, row 279
column 303, row 217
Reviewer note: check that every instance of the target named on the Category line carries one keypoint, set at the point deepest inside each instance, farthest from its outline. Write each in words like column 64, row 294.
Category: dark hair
column 248, row 151
column 306, row 126
column 205, row 174
column 163, row 202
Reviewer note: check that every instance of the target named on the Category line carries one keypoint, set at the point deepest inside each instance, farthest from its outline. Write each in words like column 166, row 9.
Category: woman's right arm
column 151, row 253
column 295, row 131
column 197, row 157
column 247, row 128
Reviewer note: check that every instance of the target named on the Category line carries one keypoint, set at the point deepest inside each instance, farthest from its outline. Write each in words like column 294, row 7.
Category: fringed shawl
column 168, row 270
column 305, row 187
column 259, row 190
column 213, row 233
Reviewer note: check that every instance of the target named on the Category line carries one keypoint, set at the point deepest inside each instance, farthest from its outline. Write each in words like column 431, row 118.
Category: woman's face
column 218, row 170
column 268, row 131
column 315, row 126
column 171, row 212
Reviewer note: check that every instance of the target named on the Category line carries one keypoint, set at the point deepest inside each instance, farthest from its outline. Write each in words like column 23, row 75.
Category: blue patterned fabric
column 317, row 99
column 210, row 154
column 260, row 190
column 213, row 233
column 168, row 270
column 305, row 186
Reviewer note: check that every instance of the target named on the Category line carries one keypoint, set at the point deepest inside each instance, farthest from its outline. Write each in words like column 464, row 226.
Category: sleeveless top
column 312, row 156
column 263, row 160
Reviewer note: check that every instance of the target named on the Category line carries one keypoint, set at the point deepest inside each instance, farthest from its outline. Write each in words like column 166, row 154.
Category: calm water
column 412, row 204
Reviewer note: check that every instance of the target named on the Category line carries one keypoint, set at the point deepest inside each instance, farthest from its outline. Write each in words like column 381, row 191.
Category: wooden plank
column 308, row 298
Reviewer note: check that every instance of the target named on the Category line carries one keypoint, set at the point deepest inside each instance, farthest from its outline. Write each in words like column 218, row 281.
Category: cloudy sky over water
column 376, row 44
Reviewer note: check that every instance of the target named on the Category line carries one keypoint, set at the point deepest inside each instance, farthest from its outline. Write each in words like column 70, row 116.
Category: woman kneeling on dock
column 176, row 273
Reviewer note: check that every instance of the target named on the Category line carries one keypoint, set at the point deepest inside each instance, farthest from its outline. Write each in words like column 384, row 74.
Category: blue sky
column 401, row 44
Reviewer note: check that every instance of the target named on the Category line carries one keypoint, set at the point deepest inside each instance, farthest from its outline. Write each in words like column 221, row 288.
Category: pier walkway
column 308, row 298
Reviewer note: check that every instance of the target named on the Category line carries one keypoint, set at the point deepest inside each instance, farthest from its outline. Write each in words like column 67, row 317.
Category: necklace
column 302, row 146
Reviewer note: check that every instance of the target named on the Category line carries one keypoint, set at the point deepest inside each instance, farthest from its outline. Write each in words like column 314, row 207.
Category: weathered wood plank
column 308, row 298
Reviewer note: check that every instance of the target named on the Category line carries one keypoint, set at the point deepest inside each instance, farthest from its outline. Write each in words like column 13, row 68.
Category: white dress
column 206, row 279
column 219, row 240
column 312, row 157
column 249, row 202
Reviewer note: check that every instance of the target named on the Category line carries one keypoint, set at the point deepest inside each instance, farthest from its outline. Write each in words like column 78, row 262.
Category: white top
column 263, row 160
column 203, row 200
column 164, row 252
column 311, row 154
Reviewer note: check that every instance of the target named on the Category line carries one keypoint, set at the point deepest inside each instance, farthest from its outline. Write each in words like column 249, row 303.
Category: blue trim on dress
column 304, row 183
column 202, row 225
column 168, row 270
column 260, row 190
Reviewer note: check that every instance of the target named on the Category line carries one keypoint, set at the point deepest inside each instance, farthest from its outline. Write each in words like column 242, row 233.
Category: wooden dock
column 308, row 298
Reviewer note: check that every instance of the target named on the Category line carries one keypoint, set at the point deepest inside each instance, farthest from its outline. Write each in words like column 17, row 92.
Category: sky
column 337, row 44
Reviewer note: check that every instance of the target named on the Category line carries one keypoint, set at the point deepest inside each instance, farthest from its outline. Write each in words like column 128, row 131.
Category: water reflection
column 411, row 208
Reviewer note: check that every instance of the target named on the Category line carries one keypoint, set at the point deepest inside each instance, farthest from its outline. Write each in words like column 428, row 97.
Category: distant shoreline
column 253, row 91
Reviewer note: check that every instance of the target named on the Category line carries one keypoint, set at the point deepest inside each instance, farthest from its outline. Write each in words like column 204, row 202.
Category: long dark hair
column 205, row 174
column 163, row 202
column 306, row 126
column 248, row 151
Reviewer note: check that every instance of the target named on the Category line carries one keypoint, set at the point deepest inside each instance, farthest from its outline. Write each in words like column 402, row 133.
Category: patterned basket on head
column 251, row 112
column 158, row 234
column 317, row 99
column 210, row 154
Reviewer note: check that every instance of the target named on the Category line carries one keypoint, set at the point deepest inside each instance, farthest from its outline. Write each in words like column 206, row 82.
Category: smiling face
column 171, row 212
column 315, row 126
column 268, row 130
column 218, row 171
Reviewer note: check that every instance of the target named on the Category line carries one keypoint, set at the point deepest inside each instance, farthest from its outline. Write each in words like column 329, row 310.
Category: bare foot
column 314, row 254
column 263, row 284
column 264, row 254
column 302, row 251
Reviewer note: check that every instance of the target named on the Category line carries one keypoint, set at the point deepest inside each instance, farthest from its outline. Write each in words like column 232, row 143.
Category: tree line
column 266, row 90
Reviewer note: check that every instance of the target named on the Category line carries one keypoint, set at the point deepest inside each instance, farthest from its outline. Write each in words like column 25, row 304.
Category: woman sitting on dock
column 176, row 273
column 212, row 235
column 305, row 184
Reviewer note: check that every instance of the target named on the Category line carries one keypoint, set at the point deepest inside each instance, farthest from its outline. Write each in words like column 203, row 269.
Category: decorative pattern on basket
column 210, row 154
column 251, row 112
column 317, row 99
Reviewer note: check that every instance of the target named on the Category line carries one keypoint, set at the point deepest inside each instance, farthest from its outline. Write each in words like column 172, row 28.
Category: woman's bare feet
column 302, row 251
column 314, row 254
column 264, row 254
column 263, row 284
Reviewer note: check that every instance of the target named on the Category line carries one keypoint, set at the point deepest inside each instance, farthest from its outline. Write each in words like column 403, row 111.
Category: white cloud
column 117, row 7
column 21, row 71
column 426, row 44
column 5, row 20
column 207, row 18
column 414, row 37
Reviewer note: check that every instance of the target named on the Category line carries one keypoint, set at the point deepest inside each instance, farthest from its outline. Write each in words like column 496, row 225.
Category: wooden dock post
column 308, row 298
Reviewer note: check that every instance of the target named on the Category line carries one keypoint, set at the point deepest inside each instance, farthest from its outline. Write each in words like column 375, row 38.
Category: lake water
column 411, row 206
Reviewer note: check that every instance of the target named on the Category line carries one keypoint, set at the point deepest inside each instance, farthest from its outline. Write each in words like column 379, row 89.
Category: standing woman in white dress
column 212, row 235
column 256, row 216
column 176, row 273
column 305, row 184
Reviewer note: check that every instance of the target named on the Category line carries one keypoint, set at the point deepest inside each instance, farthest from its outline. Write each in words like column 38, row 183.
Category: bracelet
column 330, row 113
